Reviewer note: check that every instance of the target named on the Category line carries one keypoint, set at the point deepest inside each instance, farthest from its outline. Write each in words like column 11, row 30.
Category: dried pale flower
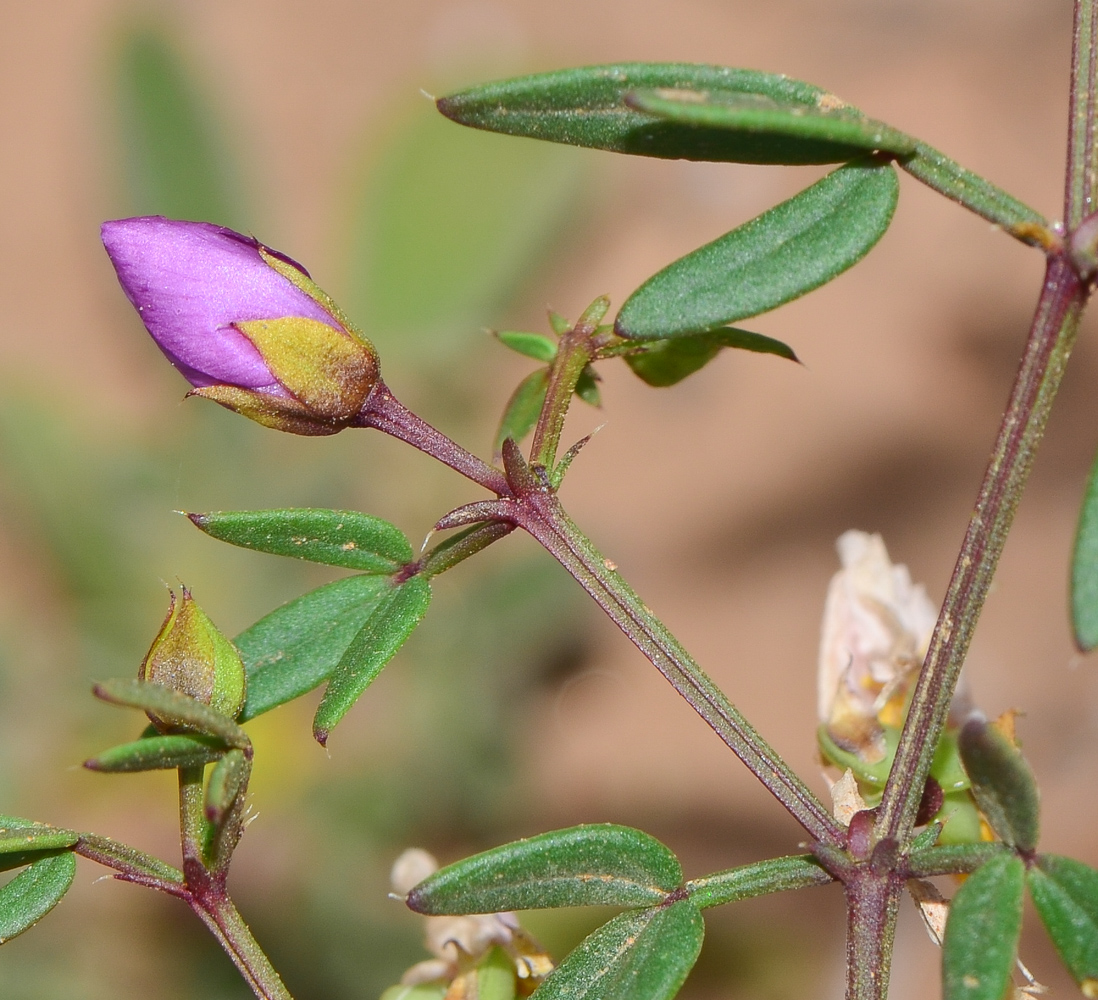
column 460, row 943
column 876, row 629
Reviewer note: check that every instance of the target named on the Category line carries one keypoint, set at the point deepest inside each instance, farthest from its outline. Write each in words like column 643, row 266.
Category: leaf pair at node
column 344, row 632
column 644, row 953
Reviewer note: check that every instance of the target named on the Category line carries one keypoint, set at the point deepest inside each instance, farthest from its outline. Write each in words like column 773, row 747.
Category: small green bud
column 191, row 656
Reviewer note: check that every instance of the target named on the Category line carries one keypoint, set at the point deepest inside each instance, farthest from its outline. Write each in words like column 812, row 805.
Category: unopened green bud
column 191, row 656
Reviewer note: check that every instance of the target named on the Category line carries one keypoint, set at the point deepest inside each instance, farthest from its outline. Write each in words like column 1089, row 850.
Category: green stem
column 537, row 510
column 131, row 864
column 1079, row 187
column 192, row 820
column 775, row 875
column 952, row 859
column 1047, row 349
column 873, row 902
column 574, row 353
column 223, row 920
column 205, row 892
column 947, row 177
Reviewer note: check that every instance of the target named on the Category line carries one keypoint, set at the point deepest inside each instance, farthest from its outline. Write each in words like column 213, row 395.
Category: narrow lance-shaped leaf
column 20, row 835
column 297, row 646
column 333, row 537
column 29, row 896
column 155, row 753
column 981, row 935
column 1066, row 895
column 23, row 842
column 948, row 177
column 830, row 120
column 664, row 362
column 926, row 859
column 639, row 955
column 587, row 387
column 227, row 781
column 388, row 626
column 590, row 106
column 532, row 345
column 759, row 879
column 173, row 707
column 1084, row 568
column 580, row 866
column 778, row 256
column 1002, row 783
column 521, row 412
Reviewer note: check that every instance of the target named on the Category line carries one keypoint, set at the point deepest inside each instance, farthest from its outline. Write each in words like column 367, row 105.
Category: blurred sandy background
column 515, row 709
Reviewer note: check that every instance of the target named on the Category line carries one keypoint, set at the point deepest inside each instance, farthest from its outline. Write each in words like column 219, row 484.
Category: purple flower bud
column 244, row 324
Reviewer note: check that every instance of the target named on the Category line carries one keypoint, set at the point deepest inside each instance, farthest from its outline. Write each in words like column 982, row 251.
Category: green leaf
column 177, row 165
column 23, row 841
column 923, row 862
column 1066, row 895
column 333, row 537
column 1084, row 568
column 948, row 177
column 1002, row 783
column 461, row 546
column 521, row 412
column 447, row 227
column 981, row 935
column 926, row 839
column 111, row 853
column 29, row 896
column 297, row 646
column 775, row 875
column 532, row 345
column 639, row 955
column 178, row 709
column 23, row 836
column 587, row 387
column 589, row 107
column 384, row 632
column 587, row 865
column 664, row 362
column 155, row 753
column 761, row 116
column 228, row 780
column 776, row 257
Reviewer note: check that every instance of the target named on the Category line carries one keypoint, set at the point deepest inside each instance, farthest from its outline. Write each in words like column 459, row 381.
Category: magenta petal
column 189, row 282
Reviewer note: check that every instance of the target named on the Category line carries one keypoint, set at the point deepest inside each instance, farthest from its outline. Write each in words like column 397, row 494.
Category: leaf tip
column 447, row 107
column 92, row 764
column 321, row 736
column 198, row 520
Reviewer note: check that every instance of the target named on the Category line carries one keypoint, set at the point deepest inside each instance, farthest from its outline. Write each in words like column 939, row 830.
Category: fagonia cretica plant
column 923, row 784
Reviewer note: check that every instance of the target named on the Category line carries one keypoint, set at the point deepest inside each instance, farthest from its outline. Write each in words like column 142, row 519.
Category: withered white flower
column 459, row 943
column 876, row 629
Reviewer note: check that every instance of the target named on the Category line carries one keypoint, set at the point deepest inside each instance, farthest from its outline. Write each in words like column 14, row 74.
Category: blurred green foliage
column 444, row 227
column 173, row 148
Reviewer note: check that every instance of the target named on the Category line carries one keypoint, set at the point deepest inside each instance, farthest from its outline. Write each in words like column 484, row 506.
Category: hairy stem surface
column 540, row 514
